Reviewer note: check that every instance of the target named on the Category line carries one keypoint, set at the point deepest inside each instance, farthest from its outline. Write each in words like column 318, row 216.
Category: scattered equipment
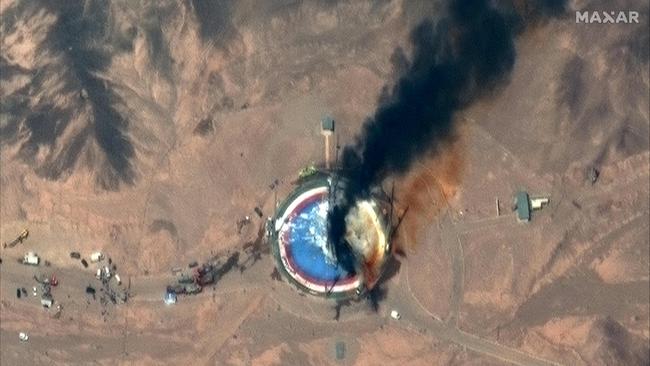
column 308, row 171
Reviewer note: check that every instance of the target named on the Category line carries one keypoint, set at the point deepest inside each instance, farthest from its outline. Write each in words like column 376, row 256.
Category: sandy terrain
column 159, row 125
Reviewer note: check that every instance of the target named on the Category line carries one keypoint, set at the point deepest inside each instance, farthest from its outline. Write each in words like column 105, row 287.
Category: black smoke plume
column 462, row 57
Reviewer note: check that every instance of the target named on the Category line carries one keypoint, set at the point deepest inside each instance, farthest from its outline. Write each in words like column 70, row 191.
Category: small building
column 538, row 203
column 327, row 125
column 522, row 203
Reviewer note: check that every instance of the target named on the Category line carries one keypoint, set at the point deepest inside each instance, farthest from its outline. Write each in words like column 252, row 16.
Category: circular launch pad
column 306, row 257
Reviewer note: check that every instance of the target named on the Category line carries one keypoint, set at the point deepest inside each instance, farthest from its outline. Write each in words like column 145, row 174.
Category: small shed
column 327, row 125
column 522, row 202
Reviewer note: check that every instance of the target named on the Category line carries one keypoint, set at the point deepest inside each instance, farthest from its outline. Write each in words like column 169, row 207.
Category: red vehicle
column 54, row 281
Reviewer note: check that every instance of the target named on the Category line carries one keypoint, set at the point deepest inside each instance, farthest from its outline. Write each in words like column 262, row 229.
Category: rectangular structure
column 523, row 207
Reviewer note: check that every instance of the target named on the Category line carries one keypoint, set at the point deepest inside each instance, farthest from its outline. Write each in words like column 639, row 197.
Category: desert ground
column 147, row 130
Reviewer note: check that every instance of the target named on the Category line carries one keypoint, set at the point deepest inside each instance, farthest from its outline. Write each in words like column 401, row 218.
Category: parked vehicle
column 395, row 315
column 170, row 298
column 84, row 263
column 47, row 301
column 177, row 289
column 185, row 278
column 18, row 293
column 107, row 272
column 75, row 255
column 118, row 279
column 96, row 257
column 192, row 289
column 23, row 337
column 31, row 258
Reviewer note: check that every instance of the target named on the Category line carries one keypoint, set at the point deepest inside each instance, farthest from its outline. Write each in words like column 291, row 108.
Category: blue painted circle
column 308, row 243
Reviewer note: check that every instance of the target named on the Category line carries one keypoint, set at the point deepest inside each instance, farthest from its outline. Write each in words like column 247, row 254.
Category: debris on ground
column 593, row 174
column 90, row 291
column 57, row 314
column 243, row 222
column 23, row 337
column 258, row 211
column 275, row 275
column 19, row 239
column 308, row 171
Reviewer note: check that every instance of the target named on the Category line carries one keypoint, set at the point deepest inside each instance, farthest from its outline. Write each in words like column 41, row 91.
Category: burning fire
column 366, row 235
